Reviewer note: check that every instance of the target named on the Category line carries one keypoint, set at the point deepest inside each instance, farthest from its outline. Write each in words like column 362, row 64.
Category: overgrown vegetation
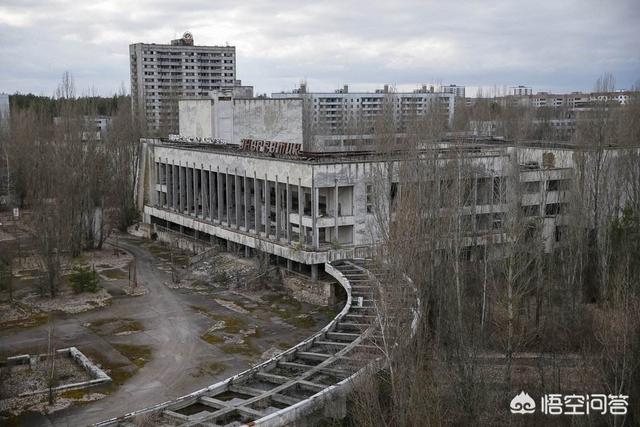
column 84, row 279
column 139, row 355
column 489, row 295
column 73, row 184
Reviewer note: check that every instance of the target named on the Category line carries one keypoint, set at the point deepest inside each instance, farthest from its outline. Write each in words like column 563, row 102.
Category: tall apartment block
column 163, row 73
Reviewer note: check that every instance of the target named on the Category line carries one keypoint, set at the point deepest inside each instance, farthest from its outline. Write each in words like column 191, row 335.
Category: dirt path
column 172, row 329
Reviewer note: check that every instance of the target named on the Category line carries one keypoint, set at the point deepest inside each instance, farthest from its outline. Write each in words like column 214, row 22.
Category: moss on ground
column 8, row 419
column 212, row 339
column 215, row 368
column 247, row 348
column 284, row 345
column 211, row 368
column 126, row 325
column 74, row 394
column 290, row 310
column 163, row 252
column 232, row 324
column 118, row 372
column 139, row 355
column 302, row 321
column 35, row 319
column 114, row 274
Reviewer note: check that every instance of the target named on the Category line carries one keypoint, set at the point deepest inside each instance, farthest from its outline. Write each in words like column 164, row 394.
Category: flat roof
column 330, row 157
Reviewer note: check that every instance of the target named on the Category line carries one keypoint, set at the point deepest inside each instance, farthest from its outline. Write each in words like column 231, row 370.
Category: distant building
column 94, row 127
column 4, row 178
column 520, row 90
column 163, row 73
column 458, row 91
column 4, row 107
column 344, row 120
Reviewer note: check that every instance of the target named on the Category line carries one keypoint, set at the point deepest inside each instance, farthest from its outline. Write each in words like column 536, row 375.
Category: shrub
column 84, row 279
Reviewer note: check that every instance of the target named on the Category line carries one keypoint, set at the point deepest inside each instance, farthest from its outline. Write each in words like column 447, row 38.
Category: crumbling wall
column 303, row 289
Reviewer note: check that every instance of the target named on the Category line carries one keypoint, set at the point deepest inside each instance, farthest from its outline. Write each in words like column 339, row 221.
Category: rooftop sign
column 274, row 147
column 196, row 139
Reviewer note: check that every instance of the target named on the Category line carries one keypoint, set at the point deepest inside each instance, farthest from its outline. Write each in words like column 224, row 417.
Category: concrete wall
column 268, row 119
column 232, row 120
column 195, row 118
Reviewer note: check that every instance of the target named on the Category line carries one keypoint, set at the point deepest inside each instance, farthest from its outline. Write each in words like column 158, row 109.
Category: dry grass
column 36, row 319
column 74, row 394
column 139, row 355
column 212, row 339
column 113, row 326
column 114, row 274
column 247, row 348
column 232, row 324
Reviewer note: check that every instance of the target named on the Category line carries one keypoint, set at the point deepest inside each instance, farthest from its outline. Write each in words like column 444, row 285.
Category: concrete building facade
column 343, row 121
column 313, row 210
column 163, row 73
column 230, row 120
column 458, row 91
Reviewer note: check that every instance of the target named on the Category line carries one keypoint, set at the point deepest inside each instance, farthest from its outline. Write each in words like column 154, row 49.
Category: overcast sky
column 550, row 45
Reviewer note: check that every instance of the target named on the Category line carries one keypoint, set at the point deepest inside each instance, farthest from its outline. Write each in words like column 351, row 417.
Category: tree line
column 73, row 185
column 489, row 296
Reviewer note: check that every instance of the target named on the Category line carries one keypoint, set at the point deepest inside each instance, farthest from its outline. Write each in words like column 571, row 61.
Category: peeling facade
column 230, row 120
column 313, row 210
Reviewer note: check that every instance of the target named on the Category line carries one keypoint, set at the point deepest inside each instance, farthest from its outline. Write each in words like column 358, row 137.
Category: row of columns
column 225, row 198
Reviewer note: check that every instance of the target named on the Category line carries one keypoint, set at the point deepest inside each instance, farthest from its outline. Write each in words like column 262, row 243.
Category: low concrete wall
column 181, row 242
column 97, row 374
column 319, row 293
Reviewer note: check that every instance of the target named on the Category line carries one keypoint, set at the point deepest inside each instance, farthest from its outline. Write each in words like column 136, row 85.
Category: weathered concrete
column 298, row 391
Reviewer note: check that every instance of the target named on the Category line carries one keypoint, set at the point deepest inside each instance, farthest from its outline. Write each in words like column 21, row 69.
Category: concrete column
column 236, row 181
column 267, row 207
column 219, row 186
column 278, row 219
column 195, row 191
column 314, row 215
column 189, row 188
column 203, row 192
column 227, row 193
column 287, row 221
column 335, row 200
column 167, row 184
column 256, row 203
column 314, row 272
column 289, row 265
column 246, row 201
column 155, row 180
column 182, row 192
column 212, row 195
column 174, row 186
column 247, row 252
column 300, row 211
column 542, row 202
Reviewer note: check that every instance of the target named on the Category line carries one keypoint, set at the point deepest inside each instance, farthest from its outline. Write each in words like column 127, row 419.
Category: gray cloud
column 547, row 44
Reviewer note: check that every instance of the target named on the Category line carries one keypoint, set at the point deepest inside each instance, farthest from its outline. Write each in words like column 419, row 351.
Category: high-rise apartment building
column 163, row 73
